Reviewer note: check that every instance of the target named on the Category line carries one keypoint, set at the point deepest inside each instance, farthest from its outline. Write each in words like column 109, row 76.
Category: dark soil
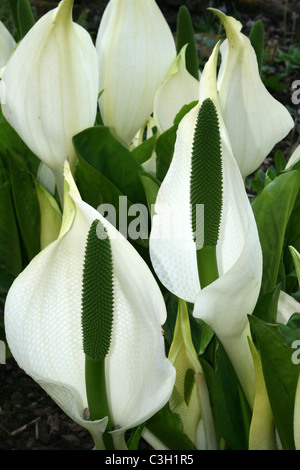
column 29, row 419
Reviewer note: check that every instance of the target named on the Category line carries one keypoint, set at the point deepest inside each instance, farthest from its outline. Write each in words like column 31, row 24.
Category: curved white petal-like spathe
column 178, row 89
column 135, row 49
column 52, row 87
column 255, row 121
column 225, row 303
column 172, row 248
column 43, row 323
column 7, row 44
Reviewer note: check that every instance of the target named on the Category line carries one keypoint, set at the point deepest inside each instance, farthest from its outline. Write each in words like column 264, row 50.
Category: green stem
column 97, row 395
column 207, row 265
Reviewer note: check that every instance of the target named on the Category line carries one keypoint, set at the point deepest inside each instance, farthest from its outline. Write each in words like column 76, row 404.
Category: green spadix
column 206, row 190
column 97, row 318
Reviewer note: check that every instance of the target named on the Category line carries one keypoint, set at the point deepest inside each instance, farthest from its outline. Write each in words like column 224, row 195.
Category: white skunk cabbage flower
column 7, row 44
column 255, row 121
column 135, row 49
column 43, row 323
column 178, row 89
column 225, row 303
column 52, row 87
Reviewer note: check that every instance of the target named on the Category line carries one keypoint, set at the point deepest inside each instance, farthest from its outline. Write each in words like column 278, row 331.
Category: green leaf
column 151, row 187
column 94, row 188
column 25, row 17
column 281, row 376
column 267, row 305
column 10, row 140
column 144, row 151
column 108, row 156
column 97, row 190
column 233, row 414
column 13, row 7
column 6, row 281
column 279, row 160
column 257, row 35
column 272, row 209
column 185, row 35
column 26, row 204
column 164, row 149
column 133, row 441
column 166, row 426
column 273, row 82
column 184, row 110
column 10, row 250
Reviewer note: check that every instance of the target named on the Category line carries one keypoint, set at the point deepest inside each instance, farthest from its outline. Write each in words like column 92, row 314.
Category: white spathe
column 43, row 324
column 135, row 49
column 225, row 303
column 254, row 119
column 178, row 89
column 7, row 44
column 51, row 85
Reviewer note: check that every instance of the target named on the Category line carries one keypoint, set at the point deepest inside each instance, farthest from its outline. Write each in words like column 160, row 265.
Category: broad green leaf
column 10, row 250
column 279, row 160
column 166, row 426
column 133, row 441
column 94, row 188
column 151, row 187
column 10, row 140
column 108, row 156
column 266, row 306
column 143, row 152
column 281, row 376
column 256, row 36
column 232, row 411
column 103, row 195
column 272, row 209
column 6, row 281
column 184, row 110
column 26, row 204
column 164, row 149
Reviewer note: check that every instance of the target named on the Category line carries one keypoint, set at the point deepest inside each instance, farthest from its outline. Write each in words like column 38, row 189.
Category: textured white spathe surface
column 43, row 324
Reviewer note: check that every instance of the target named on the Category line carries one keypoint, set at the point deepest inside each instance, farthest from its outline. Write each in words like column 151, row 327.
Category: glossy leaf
column 26, row 204
column 166, row 426
column 272, row 209
column 231, row 408
column 280, row 373
column 106, row 154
